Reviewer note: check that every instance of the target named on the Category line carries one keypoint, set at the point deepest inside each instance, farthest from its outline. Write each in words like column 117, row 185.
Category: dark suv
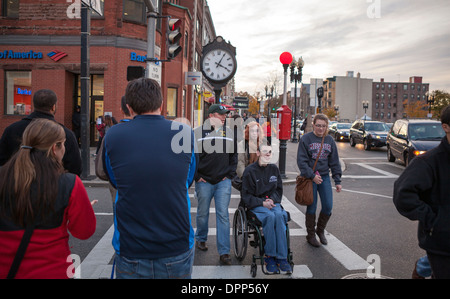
column 409, row 138
column 368, row 132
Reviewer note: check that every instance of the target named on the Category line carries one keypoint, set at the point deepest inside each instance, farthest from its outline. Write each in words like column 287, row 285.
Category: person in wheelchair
column 262, row 191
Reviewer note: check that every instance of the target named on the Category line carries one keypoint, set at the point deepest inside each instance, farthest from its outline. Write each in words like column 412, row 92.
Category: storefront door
column 95, row 103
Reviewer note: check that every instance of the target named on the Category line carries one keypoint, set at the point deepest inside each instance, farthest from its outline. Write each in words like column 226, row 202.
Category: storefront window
column 172, row 94
column 134, row 10
column 18, row 93
column 10, row 8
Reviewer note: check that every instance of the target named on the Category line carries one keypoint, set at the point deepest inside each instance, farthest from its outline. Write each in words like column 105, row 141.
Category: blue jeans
column 326, row 197
column 221, row 192
column 274, row 229
column 176, row 267
column 424, row 267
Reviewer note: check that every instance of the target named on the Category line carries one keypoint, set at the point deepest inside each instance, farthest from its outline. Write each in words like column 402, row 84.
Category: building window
column 10, row 8
column 95, row 15
column 18, row 92
column 172, row 95
column 134, row 10
column 186, row 44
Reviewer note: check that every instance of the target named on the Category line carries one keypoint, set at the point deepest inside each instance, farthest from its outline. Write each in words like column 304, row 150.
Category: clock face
column 218, row 65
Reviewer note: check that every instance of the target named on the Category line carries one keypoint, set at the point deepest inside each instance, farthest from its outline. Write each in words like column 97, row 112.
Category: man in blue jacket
column 153, row 235
column 422, row 192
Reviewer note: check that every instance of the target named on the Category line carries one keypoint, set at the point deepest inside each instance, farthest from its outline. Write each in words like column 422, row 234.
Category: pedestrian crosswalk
column 98, row 263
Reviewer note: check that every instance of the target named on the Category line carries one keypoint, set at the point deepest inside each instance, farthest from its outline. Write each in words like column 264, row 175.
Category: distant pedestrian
column 216, row 169
column 153, row 235
column 44, row 105
column 76, row 123
column 422, row 192
column 98, row 161
column 308, row 150
column 41, row 203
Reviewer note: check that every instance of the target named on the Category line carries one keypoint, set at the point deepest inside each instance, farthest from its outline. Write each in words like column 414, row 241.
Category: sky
column 390, row 39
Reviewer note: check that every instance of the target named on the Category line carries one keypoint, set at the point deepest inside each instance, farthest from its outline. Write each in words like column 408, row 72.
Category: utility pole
column 85, row 84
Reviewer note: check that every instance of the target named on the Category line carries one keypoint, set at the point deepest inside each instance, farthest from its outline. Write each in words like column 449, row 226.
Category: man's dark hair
column 143, row 95
column 44, row 100
column 445, row 115
column 123, row 105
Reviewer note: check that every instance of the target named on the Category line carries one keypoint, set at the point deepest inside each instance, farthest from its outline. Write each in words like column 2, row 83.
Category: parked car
column 340, row 131
column 409, row 138
column 368, row 132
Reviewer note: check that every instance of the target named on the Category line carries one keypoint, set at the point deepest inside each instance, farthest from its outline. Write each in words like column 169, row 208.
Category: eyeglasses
column 266, row 152
column 321, row 126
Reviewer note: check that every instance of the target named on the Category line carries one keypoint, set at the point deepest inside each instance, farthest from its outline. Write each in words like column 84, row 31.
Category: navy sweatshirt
column 260, row 183
column 142, row 158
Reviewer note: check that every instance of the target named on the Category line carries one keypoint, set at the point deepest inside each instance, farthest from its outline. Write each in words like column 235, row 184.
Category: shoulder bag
column 304, row 188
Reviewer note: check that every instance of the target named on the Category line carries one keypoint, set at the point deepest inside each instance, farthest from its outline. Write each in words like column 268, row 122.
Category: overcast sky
column 390, row 39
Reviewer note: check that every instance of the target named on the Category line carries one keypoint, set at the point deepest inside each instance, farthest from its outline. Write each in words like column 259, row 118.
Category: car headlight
column 418, row 153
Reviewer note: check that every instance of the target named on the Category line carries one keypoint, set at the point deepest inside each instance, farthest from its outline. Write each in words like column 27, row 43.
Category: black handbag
column 236, row 182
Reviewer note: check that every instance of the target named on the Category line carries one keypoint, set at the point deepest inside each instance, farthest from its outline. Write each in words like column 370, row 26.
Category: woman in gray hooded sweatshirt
column 308, row 150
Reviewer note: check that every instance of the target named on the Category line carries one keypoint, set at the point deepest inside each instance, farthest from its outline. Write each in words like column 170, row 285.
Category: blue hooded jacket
column 152, row 162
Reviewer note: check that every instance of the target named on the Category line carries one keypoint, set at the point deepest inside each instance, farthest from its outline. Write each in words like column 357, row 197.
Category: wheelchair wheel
column 240, row 234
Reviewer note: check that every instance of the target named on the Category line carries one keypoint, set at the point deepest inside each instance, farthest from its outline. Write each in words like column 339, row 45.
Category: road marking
column 93, row 265
column 366, row 193
column 384, row 174
column 347, row 257
column 243, row 272
column 96, row 264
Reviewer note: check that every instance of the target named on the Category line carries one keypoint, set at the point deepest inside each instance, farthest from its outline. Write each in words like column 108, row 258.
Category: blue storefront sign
column 10, row 54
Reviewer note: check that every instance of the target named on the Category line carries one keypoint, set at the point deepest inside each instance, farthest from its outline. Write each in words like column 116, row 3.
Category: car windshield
column 426, row 132
column 343, row 126
column 376, row 127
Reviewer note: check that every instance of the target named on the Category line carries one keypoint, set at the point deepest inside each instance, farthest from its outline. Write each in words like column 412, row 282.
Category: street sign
column 240, row 102
column 193, row 78
column 95, row 5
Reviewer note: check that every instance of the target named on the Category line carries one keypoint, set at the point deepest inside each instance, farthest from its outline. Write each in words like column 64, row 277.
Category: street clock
column 218, row 64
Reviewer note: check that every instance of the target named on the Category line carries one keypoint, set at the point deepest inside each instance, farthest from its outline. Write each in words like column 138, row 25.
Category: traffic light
column 320, row 92
column 173, row 36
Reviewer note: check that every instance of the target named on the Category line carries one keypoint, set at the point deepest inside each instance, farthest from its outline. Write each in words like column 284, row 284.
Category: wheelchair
column 247, row 229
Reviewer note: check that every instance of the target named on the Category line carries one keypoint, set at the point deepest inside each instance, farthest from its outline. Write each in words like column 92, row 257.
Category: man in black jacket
column 44, row 103
column 217, row 166
column 422, row 192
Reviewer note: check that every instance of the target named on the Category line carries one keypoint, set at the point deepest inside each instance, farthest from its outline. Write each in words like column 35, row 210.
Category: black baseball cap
column 218, row 108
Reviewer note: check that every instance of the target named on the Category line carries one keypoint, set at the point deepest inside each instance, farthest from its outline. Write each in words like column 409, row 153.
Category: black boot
column 310, row 222
column 321, row 224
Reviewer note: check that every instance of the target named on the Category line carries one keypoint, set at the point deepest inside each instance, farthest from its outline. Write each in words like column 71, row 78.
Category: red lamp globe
column 286, row 58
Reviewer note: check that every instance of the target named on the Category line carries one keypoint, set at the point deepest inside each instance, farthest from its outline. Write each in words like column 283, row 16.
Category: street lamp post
column 430, row 101
column 336, row 108
column 285, row 59
column 296, row 76
column 365, row 107
column 269, row 97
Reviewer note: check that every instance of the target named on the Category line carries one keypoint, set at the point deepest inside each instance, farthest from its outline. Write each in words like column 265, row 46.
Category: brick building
column 388, row 97
column 40, row 48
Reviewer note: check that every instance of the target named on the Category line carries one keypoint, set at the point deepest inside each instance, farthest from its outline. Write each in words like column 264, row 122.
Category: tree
column 441, row 100
column 415, row 109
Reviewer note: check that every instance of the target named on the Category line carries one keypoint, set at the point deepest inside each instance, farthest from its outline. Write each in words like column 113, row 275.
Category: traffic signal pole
column 151, row 29
column 85, row 84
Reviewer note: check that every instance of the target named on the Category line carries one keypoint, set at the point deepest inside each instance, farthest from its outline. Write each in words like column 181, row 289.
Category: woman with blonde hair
column 39, row 205
column 248, row 147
